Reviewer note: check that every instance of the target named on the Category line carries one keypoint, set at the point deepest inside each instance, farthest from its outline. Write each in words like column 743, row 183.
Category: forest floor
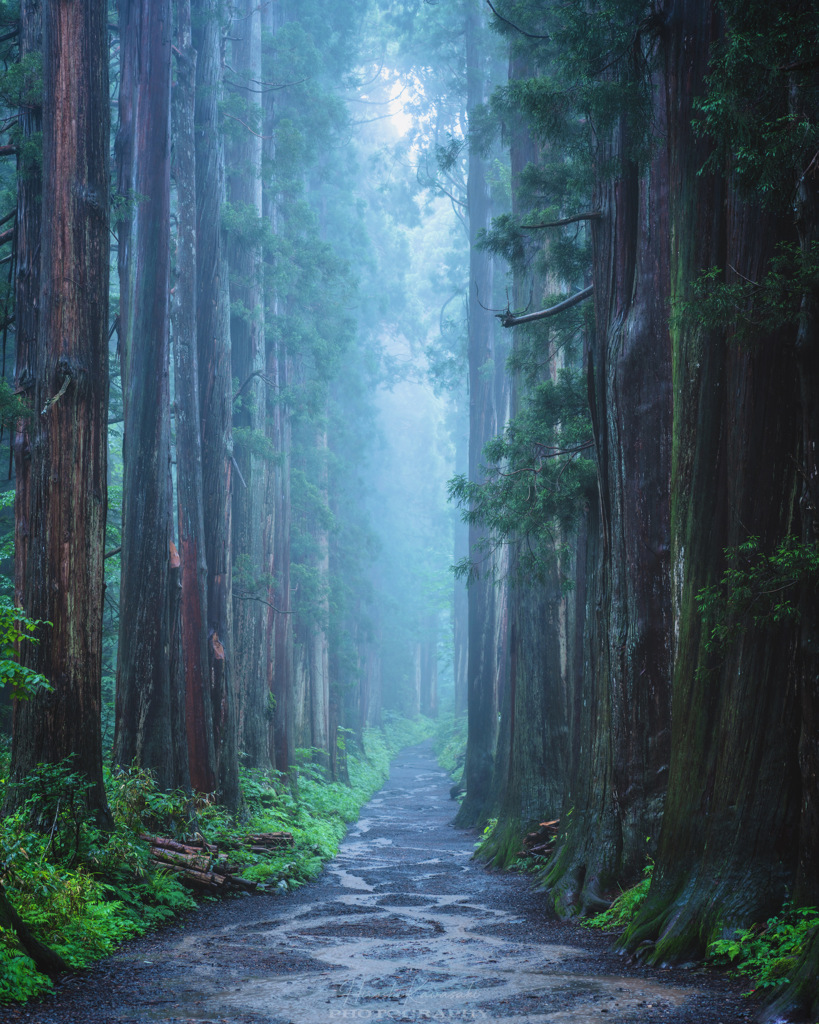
column 401, row 927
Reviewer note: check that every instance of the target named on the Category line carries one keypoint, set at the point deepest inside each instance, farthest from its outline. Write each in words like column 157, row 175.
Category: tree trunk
column 726, row 853
column 63, row 482
column 215, row 389
column 248, row 364
column 279, row 622
column 621, row 781
column 145, row 696
column 483, row 596
column 532, row 757
column 194, row 571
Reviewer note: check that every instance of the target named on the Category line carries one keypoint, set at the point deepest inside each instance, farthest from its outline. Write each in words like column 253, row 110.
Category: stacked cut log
column 541, row 843
column 201, row 866
column 198, row 864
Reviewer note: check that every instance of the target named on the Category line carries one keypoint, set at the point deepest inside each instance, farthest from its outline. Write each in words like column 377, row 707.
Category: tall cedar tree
column 736, row 448
column 62, row 454
column 485, row 599
column 149, row 715
column 532, row 758
column 194, row 570
column 215, row 388
column 251, row 650
column 279, row 371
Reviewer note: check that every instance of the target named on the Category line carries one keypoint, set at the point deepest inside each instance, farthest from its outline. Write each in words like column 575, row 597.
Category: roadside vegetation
column 83, row 891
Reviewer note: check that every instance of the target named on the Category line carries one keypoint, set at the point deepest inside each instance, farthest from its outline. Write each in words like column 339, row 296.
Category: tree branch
column 517, row 28
column 508, row 319
column 591, row 215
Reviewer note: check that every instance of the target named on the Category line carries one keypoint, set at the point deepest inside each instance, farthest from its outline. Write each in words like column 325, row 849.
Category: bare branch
column 508, row 319
column 517, row 28
column 591, row 215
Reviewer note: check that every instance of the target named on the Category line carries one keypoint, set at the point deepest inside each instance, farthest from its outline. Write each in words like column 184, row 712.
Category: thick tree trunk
column 27, row 295
column 194, row 571
column 146, row 694
column 483, row 595
column 63, row 481
column 726, row 853
column 215, row 389
column 532, row 757
column 618, row 791
column 248, row 364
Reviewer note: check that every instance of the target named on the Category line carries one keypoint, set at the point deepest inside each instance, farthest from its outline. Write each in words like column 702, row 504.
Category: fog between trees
column 269, row 303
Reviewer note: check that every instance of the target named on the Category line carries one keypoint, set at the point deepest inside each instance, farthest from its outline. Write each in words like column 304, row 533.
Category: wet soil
column 401, row 927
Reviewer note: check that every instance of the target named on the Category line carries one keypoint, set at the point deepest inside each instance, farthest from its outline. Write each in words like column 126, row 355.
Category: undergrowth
column 82, row 891
column 623, row 909
column 450, row 744
column 768, row 952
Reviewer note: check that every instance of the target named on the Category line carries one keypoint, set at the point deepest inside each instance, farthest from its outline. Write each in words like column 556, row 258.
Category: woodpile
column 541, row 843
column 198, row 864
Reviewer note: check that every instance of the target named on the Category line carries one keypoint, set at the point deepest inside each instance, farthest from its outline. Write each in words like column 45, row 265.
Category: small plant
column 624, row 908
column 768, row 952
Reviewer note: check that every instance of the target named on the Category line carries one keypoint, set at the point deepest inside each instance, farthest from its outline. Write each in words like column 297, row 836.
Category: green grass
column 83, row 892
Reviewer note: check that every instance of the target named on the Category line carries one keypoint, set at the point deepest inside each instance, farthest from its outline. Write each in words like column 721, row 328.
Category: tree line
column 198, row 324
column 637, row 648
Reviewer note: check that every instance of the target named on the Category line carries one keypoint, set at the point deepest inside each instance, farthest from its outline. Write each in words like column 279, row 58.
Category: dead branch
column 508, row 319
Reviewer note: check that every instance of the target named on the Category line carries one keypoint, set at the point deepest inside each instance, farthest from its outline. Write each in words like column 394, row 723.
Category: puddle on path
column 401, row 927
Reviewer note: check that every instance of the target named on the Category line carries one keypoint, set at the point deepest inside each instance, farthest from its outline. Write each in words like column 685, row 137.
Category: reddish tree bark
column 63, row 464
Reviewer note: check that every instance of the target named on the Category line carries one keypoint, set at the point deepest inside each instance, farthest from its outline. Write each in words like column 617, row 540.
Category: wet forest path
column 401, row 927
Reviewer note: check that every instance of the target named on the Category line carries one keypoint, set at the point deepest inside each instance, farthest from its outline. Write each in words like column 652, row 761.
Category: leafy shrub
column 768, row 952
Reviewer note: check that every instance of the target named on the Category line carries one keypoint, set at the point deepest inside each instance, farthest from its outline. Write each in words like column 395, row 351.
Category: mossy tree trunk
column 726, row 854
column 62, row 461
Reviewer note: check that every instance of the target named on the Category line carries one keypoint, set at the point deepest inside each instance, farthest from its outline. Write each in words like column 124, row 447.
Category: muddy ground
column 401, row 927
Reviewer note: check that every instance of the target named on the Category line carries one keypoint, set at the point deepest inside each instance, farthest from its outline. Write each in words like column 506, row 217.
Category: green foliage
column 17, row 628
column 625, row 907
column 769, row 951
column 752, row 309
column 538, row 475
column 757, row 588
column 450, row 743
column 81, row 891
column 762, row 100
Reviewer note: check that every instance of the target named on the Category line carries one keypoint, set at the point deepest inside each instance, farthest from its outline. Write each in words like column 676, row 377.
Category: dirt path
column 401, row 927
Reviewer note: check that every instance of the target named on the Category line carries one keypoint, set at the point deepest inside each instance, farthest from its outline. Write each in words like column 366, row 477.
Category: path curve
column 401, row 927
